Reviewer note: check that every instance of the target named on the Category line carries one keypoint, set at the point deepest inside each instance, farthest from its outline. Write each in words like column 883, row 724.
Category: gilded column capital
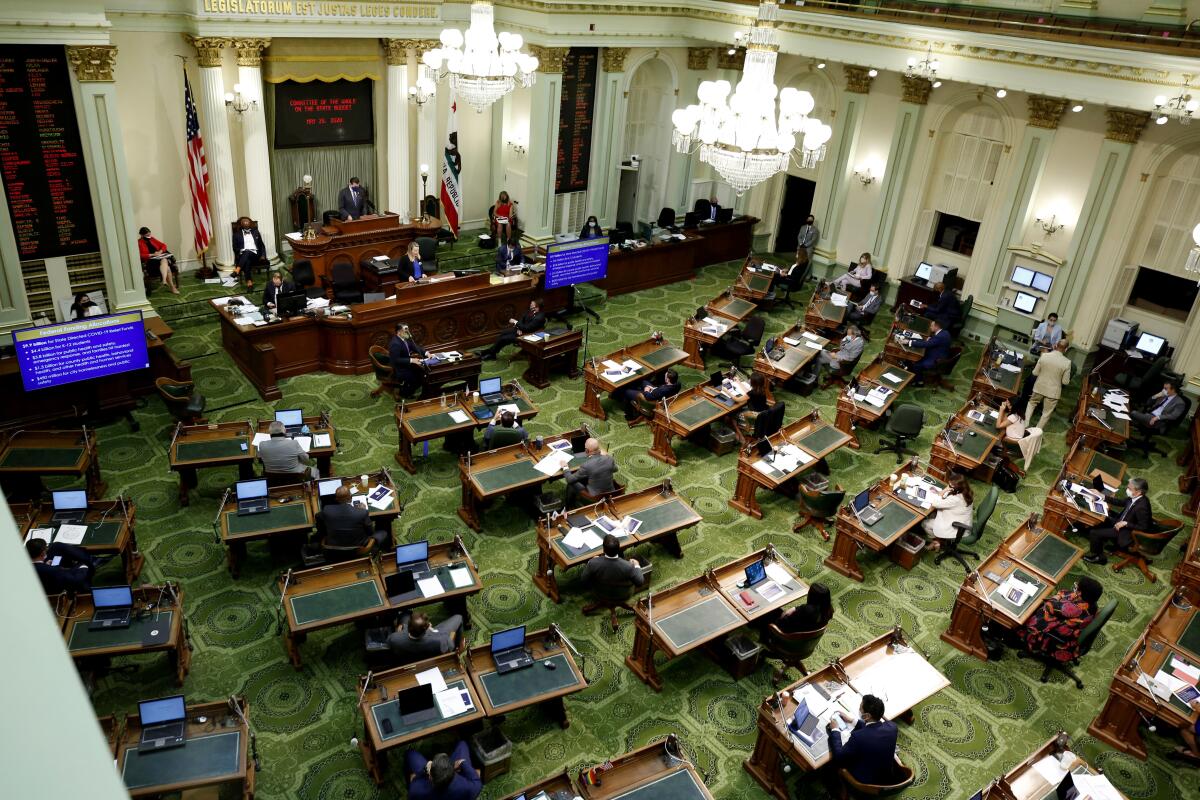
column 612, row 59
column 208, row 49
column 249, row 51
column 1125, row 125
column 93, row 63
column 422, row 46
column 858, row 79
column 395, row 52
column 735, row 61
column 916, row 90
column 1045, row 112
column 698, row 57
column 550, row 59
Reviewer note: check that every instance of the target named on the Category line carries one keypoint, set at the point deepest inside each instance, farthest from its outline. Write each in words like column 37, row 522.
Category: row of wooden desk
column 654, row 771
column 26, row 456
column 111, row 530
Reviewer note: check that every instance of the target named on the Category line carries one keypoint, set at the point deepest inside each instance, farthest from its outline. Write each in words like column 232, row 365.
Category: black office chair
column 1147, row 544
column 737, row 343
column 345, row 283
column 305, row 279
column 969, row 534
column 666, row 218
column 1086, row 638
column 1146, row 439
column 957, row 328
column 905, row 424
column 429, row 254
column 433, row 207
column 503, row 437
column 935, row 376
column 793, row 283
column 840, row 374
column 1148, row 383
column 768, row 422
column 703, row 208
column 182, row 400
column 611, row 596
column 790, row 648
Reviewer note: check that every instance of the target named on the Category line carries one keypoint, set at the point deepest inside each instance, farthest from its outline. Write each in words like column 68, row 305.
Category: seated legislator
column 953, row 504
column 410, row 268
column 281, row 453
column 857, row 275
column 639, row 400
column 276, row 287
column 1046, row 335
column 405, row 356
column 507, row 420
column 61, row 567
column 532, row 320
column 1018, row 432
column 756, row 403
column 594, row 475
column 415, row 639
column 870, row 752
column 341, row 524
column 446, row 777
column 248, row 250
column 83, row 306
column 849, row 349
column 1119, row 526
column 155, row 254
column 868, row 307
column 946, row 310
column 1161, row 410
column 509, row 254
column 610, row 570
column 936, row 347
column 1053, row 630
column 812, row 615
column 591, row 229
column 354, row 200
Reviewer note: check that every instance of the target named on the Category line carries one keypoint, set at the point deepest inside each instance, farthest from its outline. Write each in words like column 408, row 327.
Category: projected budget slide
column 81, row 350
column 576, row 262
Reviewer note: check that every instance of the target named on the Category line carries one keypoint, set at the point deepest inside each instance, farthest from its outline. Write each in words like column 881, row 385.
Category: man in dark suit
column 946, row 309
column 410, row 268
column 508, row 254
column 276, row 287
column 532, row 320
column 415, row 639
column 610, row 570
column 72, row 572
column 870, row 753
column 635, row 398
column 1119, row 526
column 354, row 201
column 594, row 475
column 406, row 355
column 1161, row 410
column 341, row 524
column 936, row 346
column 248, row 250
column 446, row 777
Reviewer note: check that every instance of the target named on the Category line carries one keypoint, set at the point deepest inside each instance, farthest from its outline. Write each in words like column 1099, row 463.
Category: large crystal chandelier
column 739, row 134
column 482, row 66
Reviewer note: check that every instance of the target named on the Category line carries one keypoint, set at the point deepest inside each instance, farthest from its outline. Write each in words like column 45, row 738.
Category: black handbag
column 1006, row 478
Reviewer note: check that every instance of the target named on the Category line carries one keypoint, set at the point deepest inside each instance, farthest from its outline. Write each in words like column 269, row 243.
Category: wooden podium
column 351, row 240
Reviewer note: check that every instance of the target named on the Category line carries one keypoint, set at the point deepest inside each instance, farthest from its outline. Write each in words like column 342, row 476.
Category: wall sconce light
column 307, row 181
column 517, row 146
column 424, row 89
column 868, row 172
column 1048, row 220
column 239, row 102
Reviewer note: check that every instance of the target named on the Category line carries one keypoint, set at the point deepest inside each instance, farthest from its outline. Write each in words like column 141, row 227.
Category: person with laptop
column 1161, row 410
column 61, row 567
column 953, row 504
column 342, row 524
column 531, row 321
column 594, row 475
column 507, row 419
column 415, row 639
column 275, row 287
column 283, row 454
column 936, row 347
column 406, row 358
column 870, row 752
column 639, row 400
column 1051, row 372
column 444, row 777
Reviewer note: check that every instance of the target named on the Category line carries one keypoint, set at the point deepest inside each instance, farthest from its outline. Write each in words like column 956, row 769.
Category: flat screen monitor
column 1025, row 302
column 328, row 487
column 292, row 305
column 1042, row 281
column 578, row 261
column 292, row 417
column 1023, row 276
column 412, row 553
column 165, row 709
column 320, row 114
column 507, row 640
column 74, row 500
column 862, row 500
column 1150, row 344
column 81, row 350
column 489, row 386
column 250, row 490
column 112, row 597
column 925, row 270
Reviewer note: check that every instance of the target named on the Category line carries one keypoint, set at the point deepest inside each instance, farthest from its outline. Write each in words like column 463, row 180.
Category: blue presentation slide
column 81, row 350
column 574, row 262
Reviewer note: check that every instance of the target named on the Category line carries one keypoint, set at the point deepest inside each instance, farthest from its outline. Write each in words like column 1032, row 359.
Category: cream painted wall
column 862, row 202
column 515, row 171
column 1064, row 182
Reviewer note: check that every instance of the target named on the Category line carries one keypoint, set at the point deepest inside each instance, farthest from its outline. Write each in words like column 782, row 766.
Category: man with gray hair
column 1119, row 527
column 283, row 454
column 594, row 475
column 849, row 350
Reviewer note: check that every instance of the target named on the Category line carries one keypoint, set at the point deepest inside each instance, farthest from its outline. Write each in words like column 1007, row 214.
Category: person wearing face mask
column 84, row 307
column 591, row 229
column 154, row 252
column 248, row 250
column 809, row 236
column 850, row 349
column 406, row 356
column 858, row 274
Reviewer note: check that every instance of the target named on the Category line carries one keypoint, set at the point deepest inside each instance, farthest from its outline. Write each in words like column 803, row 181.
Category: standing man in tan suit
column 1053, row 371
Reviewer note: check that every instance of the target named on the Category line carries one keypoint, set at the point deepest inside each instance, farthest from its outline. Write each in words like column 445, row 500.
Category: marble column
column 396, row 53
column 214, row 122
column 537, row 210
column 428, row 151
column 829, row 202
column 608, row 134
column 104, row 155
column 900, row 155
column 260, row 203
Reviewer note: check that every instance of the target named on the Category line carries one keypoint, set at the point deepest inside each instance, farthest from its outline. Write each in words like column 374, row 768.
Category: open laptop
column 413, row 557
column 252, row 497
column 489, row 391
column 69, row 507
column 164, row 722
column 579, row 443
column 861, row 506
column 416, row 704
column 400, row 585
column 508, row 650
column 113, row 607
column 292, row 419
column 326, row 489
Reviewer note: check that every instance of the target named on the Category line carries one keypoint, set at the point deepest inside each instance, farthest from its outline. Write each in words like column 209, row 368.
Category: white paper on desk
column 1156, row 688
column 609, row 364
column 382, row 502
column 813, row 345
column 631, row 365
column 259, row 438
column 317, row 302
column 432, row 677
column 790, row 341
column 764, row 468
column 1010, row 368
column 450, row 702
column 45, row 534
column 1050, row 769
column 795, row 453
column 838, row 300
column 553, row 463
column 459, row 416
column 1095, row 787
column 320, row 440
column 817, row 704
column 875, row 400
column 716, row 324
column 533, row 337
column 305, row 442
column 71, row 534
column 1172, row 683
column 1119, row 415
column 780, row 575
column 460, row 577
column 243, row 322
column 430, row 587
column 582, row 538
column 809, row 335
column 500, row 409
column 892, row 377
column 259, row 323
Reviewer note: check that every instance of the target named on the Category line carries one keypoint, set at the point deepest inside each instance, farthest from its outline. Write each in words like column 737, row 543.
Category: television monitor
column 925, row 270
column 1042, row 281
column 1025, row 302
column 507, row 640
column 292, row 304
column 319, row 114
column 112, row 597
column 73, row 500
column 579, row 261
column 1023, row 276
column 1150, row 344
column 291, row 417
column 165, row 709
column 81, row 350
column 251, row 490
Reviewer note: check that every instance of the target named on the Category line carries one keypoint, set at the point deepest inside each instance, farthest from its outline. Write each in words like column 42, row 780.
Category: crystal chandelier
column 738, row 134
column 1193, row 259
column 1180, row 107
column 482, row 66
column 925, row 68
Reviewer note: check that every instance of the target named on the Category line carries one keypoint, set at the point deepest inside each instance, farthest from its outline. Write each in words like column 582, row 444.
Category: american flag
column 197, row 172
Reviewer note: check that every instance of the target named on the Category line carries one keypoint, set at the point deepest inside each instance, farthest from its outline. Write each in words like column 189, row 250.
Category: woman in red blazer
column 148, row 246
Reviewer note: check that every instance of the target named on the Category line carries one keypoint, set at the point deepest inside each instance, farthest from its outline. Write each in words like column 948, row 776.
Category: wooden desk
column 648, row 773
column 555, row 783
column 754, row 281
column 653, row 265
column 971, row 455
column 729, row 310
column 426, row 420
column 887, row 666
column 700, row 610
column 652, row 356
column 688, row 413
column 110, row 524
column 821, row 313
column 908, row 289
column 1173, row 634
column 1024, row 782
column 663, row 514
column 1187, row 572
column 795, row 356
column 461, row 370
column 1189, row 459
column 348, row 591
column 157, row 626
column 381, row 517
column 852, row 412
column 28, row 456
column 1095, row 432
column 726, row 241
column 546, row 353
column 894, row 349
column 532, row 686
column 219, row 750
column 814, row 437
column 997, row 382
column 350, row 241
column 1081, row 463
column 290, row 514
column 317, row 423
column 901, row 514
column 1041, row 558
column 196, row 447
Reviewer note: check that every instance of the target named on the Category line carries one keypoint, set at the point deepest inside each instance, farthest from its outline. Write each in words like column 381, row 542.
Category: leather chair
column 1086, row 638
column 736, row 343
column 957, row 328
column 1146, row 440
column 345, row 284
column 793, row 283
column 433, row 208
column 262, row 261
column 790, row 648
column 612, row 596
column 1147, row 544
column 305, row 279
column 853, row 788
column 818, row 508
column 276, row 479
column 839, row 376
column 381, row 362
column 936, row 375
column 429, row 254
column 1145, row 385
column 768, row 422
column 703, row 208
column 503, row 437
column 905, row 423
column 182, row 400
column 666, row 218
column 617, row 490
column 336, row 553
column 969, row 534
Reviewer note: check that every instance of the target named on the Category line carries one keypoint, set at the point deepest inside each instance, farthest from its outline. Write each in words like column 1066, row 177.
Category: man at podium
column 353, row 201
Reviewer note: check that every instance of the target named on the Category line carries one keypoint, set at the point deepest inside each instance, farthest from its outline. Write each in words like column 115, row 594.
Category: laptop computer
column 69, row 507
column 755, row 573
column 489, row 391
column 252, row 497
column 508, row 650
column 413, row 557
column 113, row 607
column 724, row 215
column 292, row 419
column 578, row 443
column 862, row 508
column 416, row 704
column 326, row 489
column 164, row 722
column 400, row 585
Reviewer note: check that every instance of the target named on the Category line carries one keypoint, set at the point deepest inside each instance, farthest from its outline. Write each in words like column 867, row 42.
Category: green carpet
column 990, row 717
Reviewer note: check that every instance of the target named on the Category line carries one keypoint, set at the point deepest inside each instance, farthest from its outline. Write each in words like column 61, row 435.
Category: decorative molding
column 208, row 49
column 1124, row 125
column 1037, row 253
column 858, row 79
column 698, row 57
column 550, row 59
column 395, row 51
column 734, row 62
column 93, row 63
column 423, row 46
column 612, row 59
column 1045, row 112
column 916, row 90
column 249, row 51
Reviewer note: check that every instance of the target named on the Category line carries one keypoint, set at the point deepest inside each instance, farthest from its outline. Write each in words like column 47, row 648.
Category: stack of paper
column 839, row 300
column 259, row 438
column 810, row 336
column 459, row 416
column 322, row 440
column 892, row 377
column 764, row 468
column 432, row 677
column 381, row 498
column 1050, row 769
column 712, row 325
column 553, row 463
column 1095, row 787
column 500, row 409
column 582, row 539
column 813, row 345
column 780, row 575
column 1017, row 591
column 461, row 577
column 790, row 341
column 430, row 587
column 1010, row 368
column 451, row 702
column 317, row 302
column 45, row 534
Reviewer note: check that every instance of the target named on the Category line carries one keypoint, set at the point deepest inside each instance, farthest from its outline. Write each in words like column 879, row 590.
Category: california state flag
column 451, row 169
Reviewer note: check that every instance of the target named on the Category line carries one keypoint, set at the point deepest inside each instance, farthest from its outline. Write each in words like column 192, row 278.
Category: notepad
column 461, row 577
column 790, row 341
column 778, row 574
column 813, row 345
column 553, row 463
column 71, row 534
column 432, row 677
column 259, row 438
column 321, row 440
column 430, row 587
column 458, row 417
column 305, row 442
column 770, row 590
column 892, row 377
column 809, row 335
column 46, row 534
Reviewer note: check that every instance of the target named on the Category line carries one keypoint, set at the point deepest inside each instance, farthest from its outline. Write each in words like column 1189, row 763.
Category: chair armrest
column 960, row 526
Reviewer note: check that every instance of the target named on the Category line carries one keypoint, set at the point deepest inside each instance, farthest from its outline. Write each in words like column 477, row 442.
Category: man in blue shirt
column 936, row 347
column 1047, row 334
column 870, row 752
column 445, row 777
